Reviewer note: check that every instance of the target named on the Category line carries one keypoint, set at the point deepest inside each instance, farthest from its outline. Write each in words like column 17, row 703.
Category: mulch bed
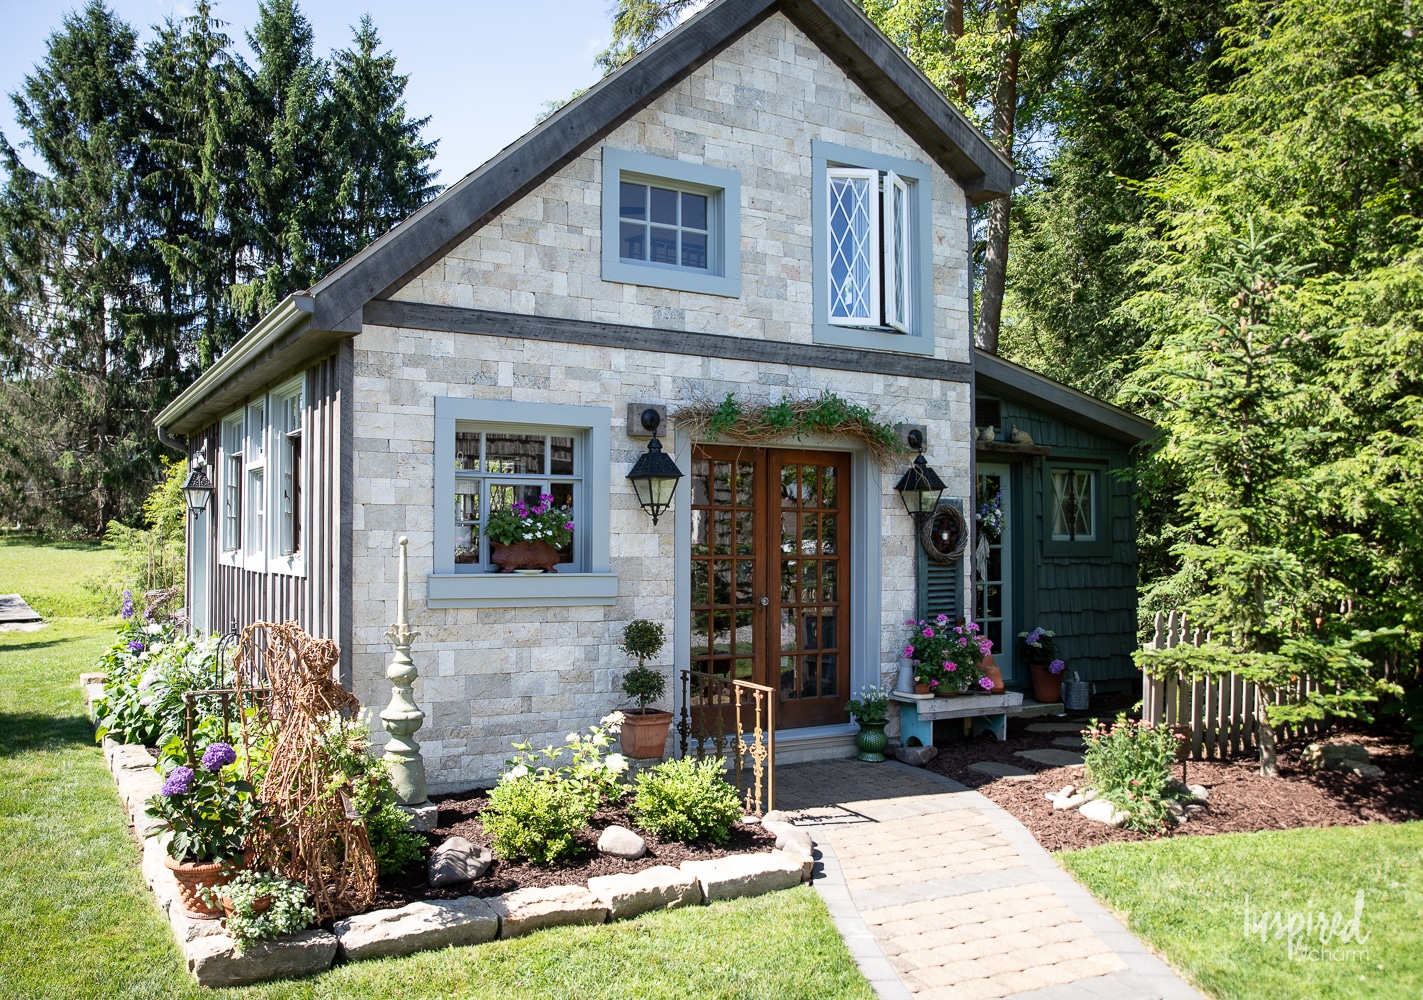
column 1241, row 800
column 459, row 816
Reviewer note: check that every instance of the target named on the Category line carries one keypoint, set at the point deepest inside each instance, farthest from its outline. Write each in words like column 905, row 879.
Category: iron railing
column 734, row 720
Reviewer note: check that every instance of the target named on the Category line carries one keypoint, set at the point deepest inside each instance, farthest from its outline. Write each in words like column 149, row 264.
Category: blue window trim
column 723, row 274
column 599, row 585
column 920, row 338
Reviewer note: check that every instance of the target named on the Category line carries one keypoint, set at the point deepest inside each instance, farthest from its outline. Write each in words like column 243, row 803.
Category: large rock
column 915, row 756
column 457, row 860
column 1103, row 812
column 788, row 834
column 1347, row 757
column 657, row 888
column 436, row 923
column 620, row 842
column 744, row 874
column 189, row 928
column 213, row 960
column 525, row 910
column 777, row 816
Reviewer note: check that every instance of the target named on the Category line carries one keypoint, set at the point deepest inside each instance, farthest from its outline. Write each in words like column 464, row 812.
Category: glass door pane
column 992, row 564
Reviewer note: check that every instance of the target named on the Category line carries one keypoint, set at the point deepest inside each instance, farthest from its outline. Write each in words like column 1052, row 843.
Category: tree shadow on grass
column 24, row 732
column 20, row 647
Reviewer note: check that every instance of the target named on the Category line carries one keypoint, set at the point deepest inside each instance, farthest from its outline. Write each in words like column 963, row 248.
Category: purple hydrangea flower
column 1057, row 666
column 128, row 605
column 135, row 646
column 217, row 756
column 179, row 781
column 986, row 683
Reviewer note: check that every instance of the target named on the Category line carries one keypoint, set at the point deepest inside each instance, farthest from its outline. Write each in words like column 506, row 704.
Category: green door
column 993, row 565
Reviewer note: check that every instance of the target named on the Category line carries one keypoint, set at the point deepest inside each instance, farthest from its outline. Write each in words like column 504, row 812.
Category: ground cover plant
column 69, row 878
column 1209, row 904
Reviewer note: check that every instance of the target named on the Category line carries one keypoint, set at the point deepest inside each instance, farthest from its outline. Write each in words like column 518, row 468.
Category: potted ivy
column 209, row 814
column 871, row 711
column 526, row 537
column 644, row 732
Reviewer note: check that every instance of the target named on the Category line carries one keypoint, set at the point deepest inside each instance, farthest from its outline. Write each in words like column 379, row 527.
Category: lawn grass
column 77, row 921
column 59, row 579
column 1188, row 897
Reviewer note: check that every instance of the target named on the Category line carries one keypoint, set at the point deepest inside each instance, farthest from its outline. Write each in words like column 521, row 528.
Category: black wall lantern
column 655, row 475
column 920, row 487
column 198, row 487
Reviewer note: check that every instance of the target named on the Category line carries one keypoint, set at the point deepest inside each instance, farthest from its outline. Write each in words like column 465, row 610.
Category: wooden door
column 770, row 567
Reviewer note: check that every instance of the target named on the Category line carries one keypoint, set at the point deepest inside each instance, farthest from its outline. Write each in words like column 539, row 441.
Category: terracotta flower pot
column 922, row 689
column 260, row 906
column 191, row 874
column 1047, row 686
column 644, row 734
column 525, row 555
column 991, row 671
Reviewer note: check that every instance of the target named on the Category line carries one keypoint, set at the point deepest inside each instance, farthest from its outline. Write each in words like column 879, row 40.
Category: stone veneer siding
column 491, row 676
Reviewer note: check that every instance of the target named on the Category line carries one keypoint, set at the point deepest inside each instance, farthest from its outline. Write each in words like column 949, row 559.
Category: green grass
column 77, row 921
column 59, row 579
column 1188, row 897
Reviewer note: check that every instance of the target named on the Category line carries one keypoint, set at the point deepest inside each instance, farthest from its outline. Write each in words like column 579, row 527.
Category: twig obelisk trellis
column 402, row 717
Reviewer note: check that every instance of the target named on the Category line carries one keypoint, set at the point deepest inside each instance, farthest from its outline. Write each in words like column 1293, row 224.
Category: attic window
column 669, row 224
column 987, row 413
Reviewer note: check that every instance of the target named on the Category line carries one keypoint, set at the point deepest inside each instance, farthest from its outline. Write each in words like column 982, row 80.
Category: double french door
column 770, row 566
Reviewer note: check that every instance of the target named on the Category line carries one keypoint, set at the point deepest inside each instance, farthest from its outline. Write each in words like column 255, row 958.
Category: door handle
column 765, row 601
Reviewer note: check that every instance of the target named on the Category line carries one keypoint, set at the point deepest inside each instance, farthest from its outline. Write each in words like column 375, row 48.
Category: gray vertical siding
column 320, row 600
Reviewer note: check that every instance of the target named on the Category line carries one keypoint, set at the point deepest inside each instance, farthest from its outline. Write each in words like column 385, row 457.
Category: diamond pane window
column 1074, row 505
column 854, row 246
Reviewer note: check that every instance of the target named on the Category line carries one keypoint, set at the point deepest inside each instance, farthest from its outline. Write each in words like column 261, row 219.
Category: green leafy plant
column 871, row 707
column 535, row 819
column 589, row 769
column 687, row 800
column 946, row 655
column 263, row 906
column 823, row 414
column 395, row 845
column 208, row 809
column 520, row 522
column 149, row 669
column 643, row 639
column 1129, row 763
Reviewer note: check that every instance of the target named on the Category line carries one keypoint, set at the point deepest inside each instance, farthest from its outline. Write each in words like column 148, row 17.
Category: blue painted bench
column 989, row 713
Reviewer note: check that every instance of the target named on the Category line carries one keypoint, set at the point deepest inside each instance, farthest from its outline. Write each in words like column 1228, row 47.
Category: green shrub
column 395, row 845
column 1129, row 764
column 686, row 800
column 532, row 818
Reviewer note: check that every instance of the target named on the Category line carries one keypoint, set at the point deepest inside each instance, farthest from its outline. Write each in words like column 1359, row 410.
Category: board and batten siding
column 1089, row 601
column 319, row 599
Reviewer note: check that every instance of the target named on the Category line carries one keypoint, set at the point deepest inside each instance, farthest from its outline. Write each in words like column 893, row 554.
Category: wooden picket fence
column 1220, row 712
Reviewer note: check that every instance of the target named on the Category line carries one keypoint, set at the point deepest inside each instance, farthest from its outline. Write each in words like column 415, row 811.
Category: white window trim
column 872, row 206
column 723, row 188
column 597, row 584
column 231, row 427
column 898, row 255
column 281, row 561
column 917, row 177
column 256, row 504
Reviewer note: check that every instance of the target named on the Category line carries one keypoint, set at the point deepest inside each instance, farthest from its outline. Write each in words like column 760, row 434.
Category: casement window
column 231, row 475
column 1074, row 505
column 254, row 532
column 873, row 283
column 491, row 454
column 669, row 224
column 287, row 408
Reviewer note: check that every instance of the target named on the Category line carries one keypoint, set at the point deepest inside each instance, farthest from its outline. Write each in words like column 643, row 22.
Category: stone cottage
column 770, row 202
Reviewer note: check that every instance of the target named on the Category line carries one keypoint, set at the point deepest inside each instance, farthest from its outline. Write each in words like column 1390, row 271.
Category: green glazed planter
column 871, row 741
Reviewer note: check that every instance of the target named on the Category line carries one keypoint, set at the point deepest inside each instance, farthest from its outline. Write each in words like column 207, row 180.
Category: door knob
column 765, row 601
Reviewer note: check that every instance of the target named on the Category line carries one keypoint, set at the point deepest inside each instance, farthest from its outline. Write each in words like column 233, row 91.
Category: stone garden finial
column 402, row 717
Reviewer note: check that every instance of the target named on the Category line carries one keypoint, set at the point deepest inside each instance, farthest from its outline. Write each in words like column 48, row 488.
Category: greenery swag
column 824, row 414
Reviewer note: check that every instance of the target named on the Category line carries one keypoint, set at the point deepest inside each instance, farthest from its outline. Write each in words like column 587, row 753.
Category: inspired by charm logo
column 1312, row 935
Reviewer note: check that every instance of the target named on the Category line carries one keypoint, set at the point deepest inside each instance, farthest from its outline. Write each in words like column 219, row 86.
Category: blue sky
column 482, row 69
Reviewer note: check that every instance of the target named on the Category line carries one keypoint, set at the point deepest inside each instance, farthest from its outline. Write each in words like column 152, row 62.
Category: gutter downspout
column 168, row 439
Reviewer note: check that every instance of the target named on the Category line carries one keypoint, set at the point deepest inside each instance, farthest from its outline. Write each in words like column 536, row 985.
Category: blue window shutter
column 940, row 584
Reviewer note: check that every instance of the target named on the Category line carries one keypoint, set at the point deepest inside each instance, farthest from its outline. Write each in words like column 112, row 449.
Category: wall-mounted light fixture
column 654, row 477
column 198, row 487
column 920, row 487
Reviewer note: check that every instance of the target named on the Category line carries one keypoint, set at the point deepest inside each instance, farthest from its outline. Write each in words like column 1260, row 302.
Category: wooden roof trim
column 993, row 374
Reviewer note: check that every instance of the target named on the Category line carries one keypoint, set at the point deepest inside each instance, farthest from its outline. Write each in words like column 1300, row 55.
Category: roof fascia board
column 836, row 25
column 292, row 316
column 993, row 374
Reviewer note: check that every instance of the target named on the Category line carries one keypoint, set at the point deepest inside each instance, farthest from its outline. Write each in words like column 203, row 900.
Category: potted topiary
column 644, row 732
column 209, row 814
column 871, row 711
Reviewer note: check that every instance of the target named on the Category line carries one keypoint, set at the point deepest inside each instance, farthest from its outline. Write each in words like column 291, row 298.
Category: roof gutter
column 290, row 313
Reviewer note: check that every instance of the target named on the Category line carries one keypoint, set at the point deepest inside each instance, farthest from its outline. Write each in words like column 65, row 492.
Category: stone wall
column 490, row 676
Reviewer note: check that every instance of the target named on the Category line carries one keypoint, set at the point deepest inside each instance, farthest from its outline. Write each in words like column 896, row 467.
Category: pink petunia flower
column 928, row 633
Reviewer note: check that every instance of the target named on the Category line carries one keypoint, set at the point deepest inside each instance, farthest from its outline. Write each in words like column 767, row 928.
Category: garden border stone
column 740, row 875
column 434, row 923
column 660, row 887
column 526, row 910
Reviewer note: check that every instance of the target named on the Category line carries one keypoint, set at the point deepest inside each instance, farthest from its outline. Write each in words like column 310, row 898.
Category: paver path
column 942, row 895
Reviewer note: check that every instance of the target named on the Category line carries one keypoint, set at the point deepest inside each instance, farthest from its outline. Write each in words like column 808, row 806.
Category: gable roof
column 333, row 305
column 1004, row 378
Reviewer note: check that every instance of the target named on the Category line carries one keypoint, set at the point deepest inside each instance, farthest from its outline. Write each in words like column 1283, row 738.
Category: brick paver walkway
column 942, row 895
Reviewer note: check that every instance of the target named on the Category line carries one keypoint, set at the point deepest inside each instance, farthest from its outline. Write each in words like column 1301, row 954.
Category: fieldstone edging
column 211, row 953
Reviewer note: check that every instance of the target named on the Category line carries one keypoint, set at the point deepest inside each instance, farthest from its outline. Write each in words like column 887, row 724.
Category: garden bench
column 989, row 713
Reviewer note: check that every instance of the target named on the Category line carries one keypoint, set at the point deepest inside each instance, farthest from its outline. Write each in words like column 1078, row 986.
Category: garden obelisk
column 402, row 717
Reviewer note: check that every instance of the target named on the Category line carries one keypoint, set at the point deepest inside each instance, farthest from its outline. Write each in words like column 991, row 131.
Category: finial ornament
column 402, row 717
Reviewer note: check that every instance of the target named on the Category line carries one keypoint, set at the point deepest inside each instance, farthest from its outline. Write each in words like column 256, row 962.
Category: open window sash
column 854, row 239
column 896, row 253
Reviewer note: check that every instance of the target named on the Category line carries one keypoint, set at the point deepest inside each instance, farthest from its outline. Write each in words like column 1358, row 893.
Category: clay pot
column 525, row 555
column 1047, row 686
column 945, row 691
column 644, row 734
column 922, row 689
column 260, row 906
column 991, row 671
column 189, row 874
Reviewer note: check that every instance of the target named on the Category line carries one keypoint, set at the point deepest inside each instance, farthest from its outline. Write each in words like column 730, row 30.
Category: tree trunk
column 1005, row 106
column 953, row 32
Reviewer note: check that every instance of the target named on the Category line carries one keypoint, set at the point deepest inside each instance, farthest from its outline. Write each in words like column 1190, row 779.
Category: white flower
column 153, row 628
column 571, row 738
column 616, row 763
column 612, row 721
column 514, row 773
